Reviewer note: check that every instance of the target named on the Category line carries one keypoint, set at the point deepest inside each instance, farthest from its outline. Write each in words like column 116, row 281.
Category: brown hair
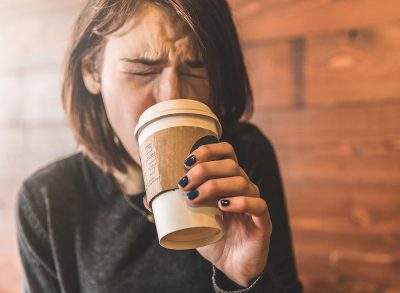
column 210, row 21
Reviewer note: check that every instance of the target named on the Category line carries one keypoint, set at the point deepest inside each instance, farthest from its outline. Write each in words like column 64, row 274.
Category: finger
column 253, row 206
column 210, row 170
column 210, row 152
column 214, row 189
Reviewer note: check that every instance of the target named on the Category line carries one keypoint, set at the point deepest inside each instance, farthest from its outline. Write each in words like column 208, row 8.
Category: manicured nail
column 184, row 181
column 225, row 202
column 192, row 194
column 190, row 161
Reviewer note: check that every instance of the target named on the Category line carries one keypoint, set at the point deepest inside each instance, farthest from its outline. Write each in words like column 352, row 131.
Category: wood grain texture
column 12, row 12
column 31, row 95
column 26, row 148
column 325, row 75
column 355, row 201
column 341, row 171
column 353, row 144
column 353, row 66
column 271, row 73
column 263, row 20
column 323, row 272
column 36, row 39
column 333, row 233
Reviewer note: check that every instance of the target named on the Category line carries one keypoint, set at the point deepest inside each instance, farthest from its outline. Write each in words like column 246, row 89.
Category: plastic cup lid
column 175, row 107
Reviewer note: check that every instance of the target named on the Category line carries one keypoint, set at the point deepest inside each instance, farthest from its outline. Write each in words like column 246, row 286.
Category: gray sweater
column 77, row 233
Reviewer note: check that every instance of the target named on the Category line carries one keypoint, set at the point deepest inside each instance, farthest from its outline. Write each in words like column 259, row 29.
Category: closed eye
column 193, row 72
column 194, row 75
column 150, row 73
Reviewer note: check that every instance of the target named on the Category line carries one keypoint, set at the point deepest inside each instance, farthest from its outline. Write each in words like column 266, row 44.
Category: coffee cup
column 166, row 134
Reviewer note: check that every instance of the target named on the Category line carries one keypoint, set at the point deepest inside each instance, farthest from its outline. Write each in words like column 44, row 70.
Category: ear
column 91, row 76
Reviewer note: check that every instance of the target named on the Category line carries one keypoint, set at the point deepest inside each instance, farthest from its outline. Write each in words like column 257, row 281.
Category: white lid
column 175, row 107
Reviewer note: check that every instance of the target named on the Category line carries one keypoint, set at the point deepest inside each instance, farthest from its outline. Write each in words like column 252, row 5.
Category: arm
column 39, row 274
column 257, row 158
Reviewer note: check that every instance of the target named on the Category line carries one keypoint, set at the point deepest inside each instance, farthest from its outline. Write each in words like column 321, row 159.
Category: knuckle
column 200, row 170
column 203, row 149
column 228, row 146
column 233, row 165
column 210, row 187
column 264, row 209
column 243, row 183
column 256, row 189
column 242, row 203
column 264, row 206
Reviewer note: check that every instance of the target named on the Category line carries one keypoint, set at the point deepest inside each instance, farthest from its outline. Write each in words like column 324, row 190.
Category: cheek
column 125, row 99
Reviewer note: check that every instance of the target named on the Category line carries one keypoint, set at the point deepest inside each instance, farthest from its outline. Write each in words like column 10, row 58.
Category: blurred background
column 326, row 79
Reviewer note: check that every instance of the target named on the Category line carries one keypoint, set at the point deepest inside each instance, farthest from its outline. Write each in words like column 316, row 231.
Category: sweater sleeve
column 39, row 274
column 257, row 158
column 262, row 284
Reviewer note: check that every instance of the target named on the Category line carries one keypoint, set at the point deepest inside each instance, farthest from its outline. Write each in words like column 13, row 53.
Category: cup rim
column 168, row 108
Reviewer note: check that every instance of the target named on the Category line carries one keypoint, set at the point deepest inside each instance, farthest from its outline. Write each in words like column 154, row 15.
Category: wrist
column 222, row 283
column 235, row 282
column 244, row 281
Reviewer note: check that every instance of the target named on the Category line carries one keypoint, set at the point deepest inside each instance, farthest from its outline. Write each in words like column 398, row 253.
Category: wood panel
column 32, row 130
column 356, row 265
column 35, row 40
column 12, row 12
column 325, row 74
column 323, row 272
column 341, row 169
column 24, row 149
column 263, row 20
column 271, row 73
column 353, row 66
column 357, row 145
column 31, row 95
column 358, row 202
column 9, row 86
column 340, row 233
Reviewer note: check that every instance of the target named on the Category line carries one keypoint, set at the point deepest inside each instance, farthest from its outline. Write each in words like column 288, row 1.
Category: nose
column 170, row 85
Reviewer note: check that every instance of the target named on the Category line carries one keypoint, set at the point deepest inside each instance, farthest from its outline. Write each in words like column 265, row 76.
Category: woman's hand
column 214, row 177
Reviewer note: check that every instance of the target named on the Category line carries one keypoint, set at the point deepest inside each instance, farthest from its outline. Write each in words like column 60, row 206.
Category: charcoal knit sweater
column 77, row 233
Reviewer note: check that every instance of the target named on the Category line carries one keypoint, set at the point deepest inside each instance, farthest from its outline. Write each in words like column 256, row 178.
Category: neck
column 131, row 182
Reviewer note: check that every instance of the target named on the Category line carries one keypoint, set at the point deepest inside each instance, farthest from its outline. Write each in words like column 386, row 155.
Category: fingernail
column 192, row 194
column 190, row 161
column 225, row 202
column 184, row 181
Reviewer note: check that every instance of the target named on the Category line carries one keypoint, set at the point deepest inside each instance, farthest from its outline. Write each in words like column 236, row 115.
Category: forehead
column 151, row 32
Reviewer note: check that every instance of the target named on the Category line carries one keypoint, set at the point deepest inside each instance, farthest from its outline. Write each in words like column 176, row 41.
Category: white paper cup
column 166, row 134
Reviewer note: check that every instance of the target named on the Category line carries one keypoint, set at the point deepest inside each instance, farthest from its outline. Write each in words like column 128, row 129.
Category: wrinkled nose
column 170, row 85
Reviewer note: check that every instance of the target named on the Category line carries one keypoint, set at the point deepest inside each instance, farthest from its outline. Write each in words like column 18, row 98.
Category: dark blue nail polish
column 225, row 202
column 184, row 181
column 190, row 161
column 192, row 194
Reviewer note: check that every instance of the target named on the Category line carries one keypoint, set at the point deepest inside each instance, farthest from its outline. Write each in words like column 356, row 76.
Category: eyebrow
column 153, row 62
column 145, row 61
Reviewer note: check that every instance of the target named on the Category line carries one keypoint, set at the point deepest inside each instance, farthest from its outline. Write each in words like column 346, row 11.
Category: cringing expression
column 152, row 58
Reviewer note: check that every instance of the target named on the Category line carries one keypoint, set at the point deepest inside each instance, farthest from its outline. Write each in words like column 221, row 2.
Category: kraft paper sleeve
column 162, row 155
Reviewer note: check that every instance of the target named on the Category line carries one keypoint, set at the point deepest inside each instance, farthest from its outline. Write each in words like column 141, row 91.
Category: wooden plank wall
column 32, row 127
column 326, row 78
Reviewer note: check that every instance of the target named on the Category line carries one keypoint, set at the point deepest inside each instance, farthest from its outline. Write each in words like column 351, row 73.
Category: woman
column 82, row 226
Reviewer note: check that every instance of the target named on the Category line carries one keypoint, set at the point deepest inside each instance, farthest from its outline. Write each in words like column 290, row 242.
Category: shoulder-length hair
column 210, row 22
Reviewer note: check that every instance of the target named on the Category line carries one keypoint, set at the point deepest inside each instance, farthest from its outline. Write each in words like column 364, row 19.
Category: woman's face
column 151, row 59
